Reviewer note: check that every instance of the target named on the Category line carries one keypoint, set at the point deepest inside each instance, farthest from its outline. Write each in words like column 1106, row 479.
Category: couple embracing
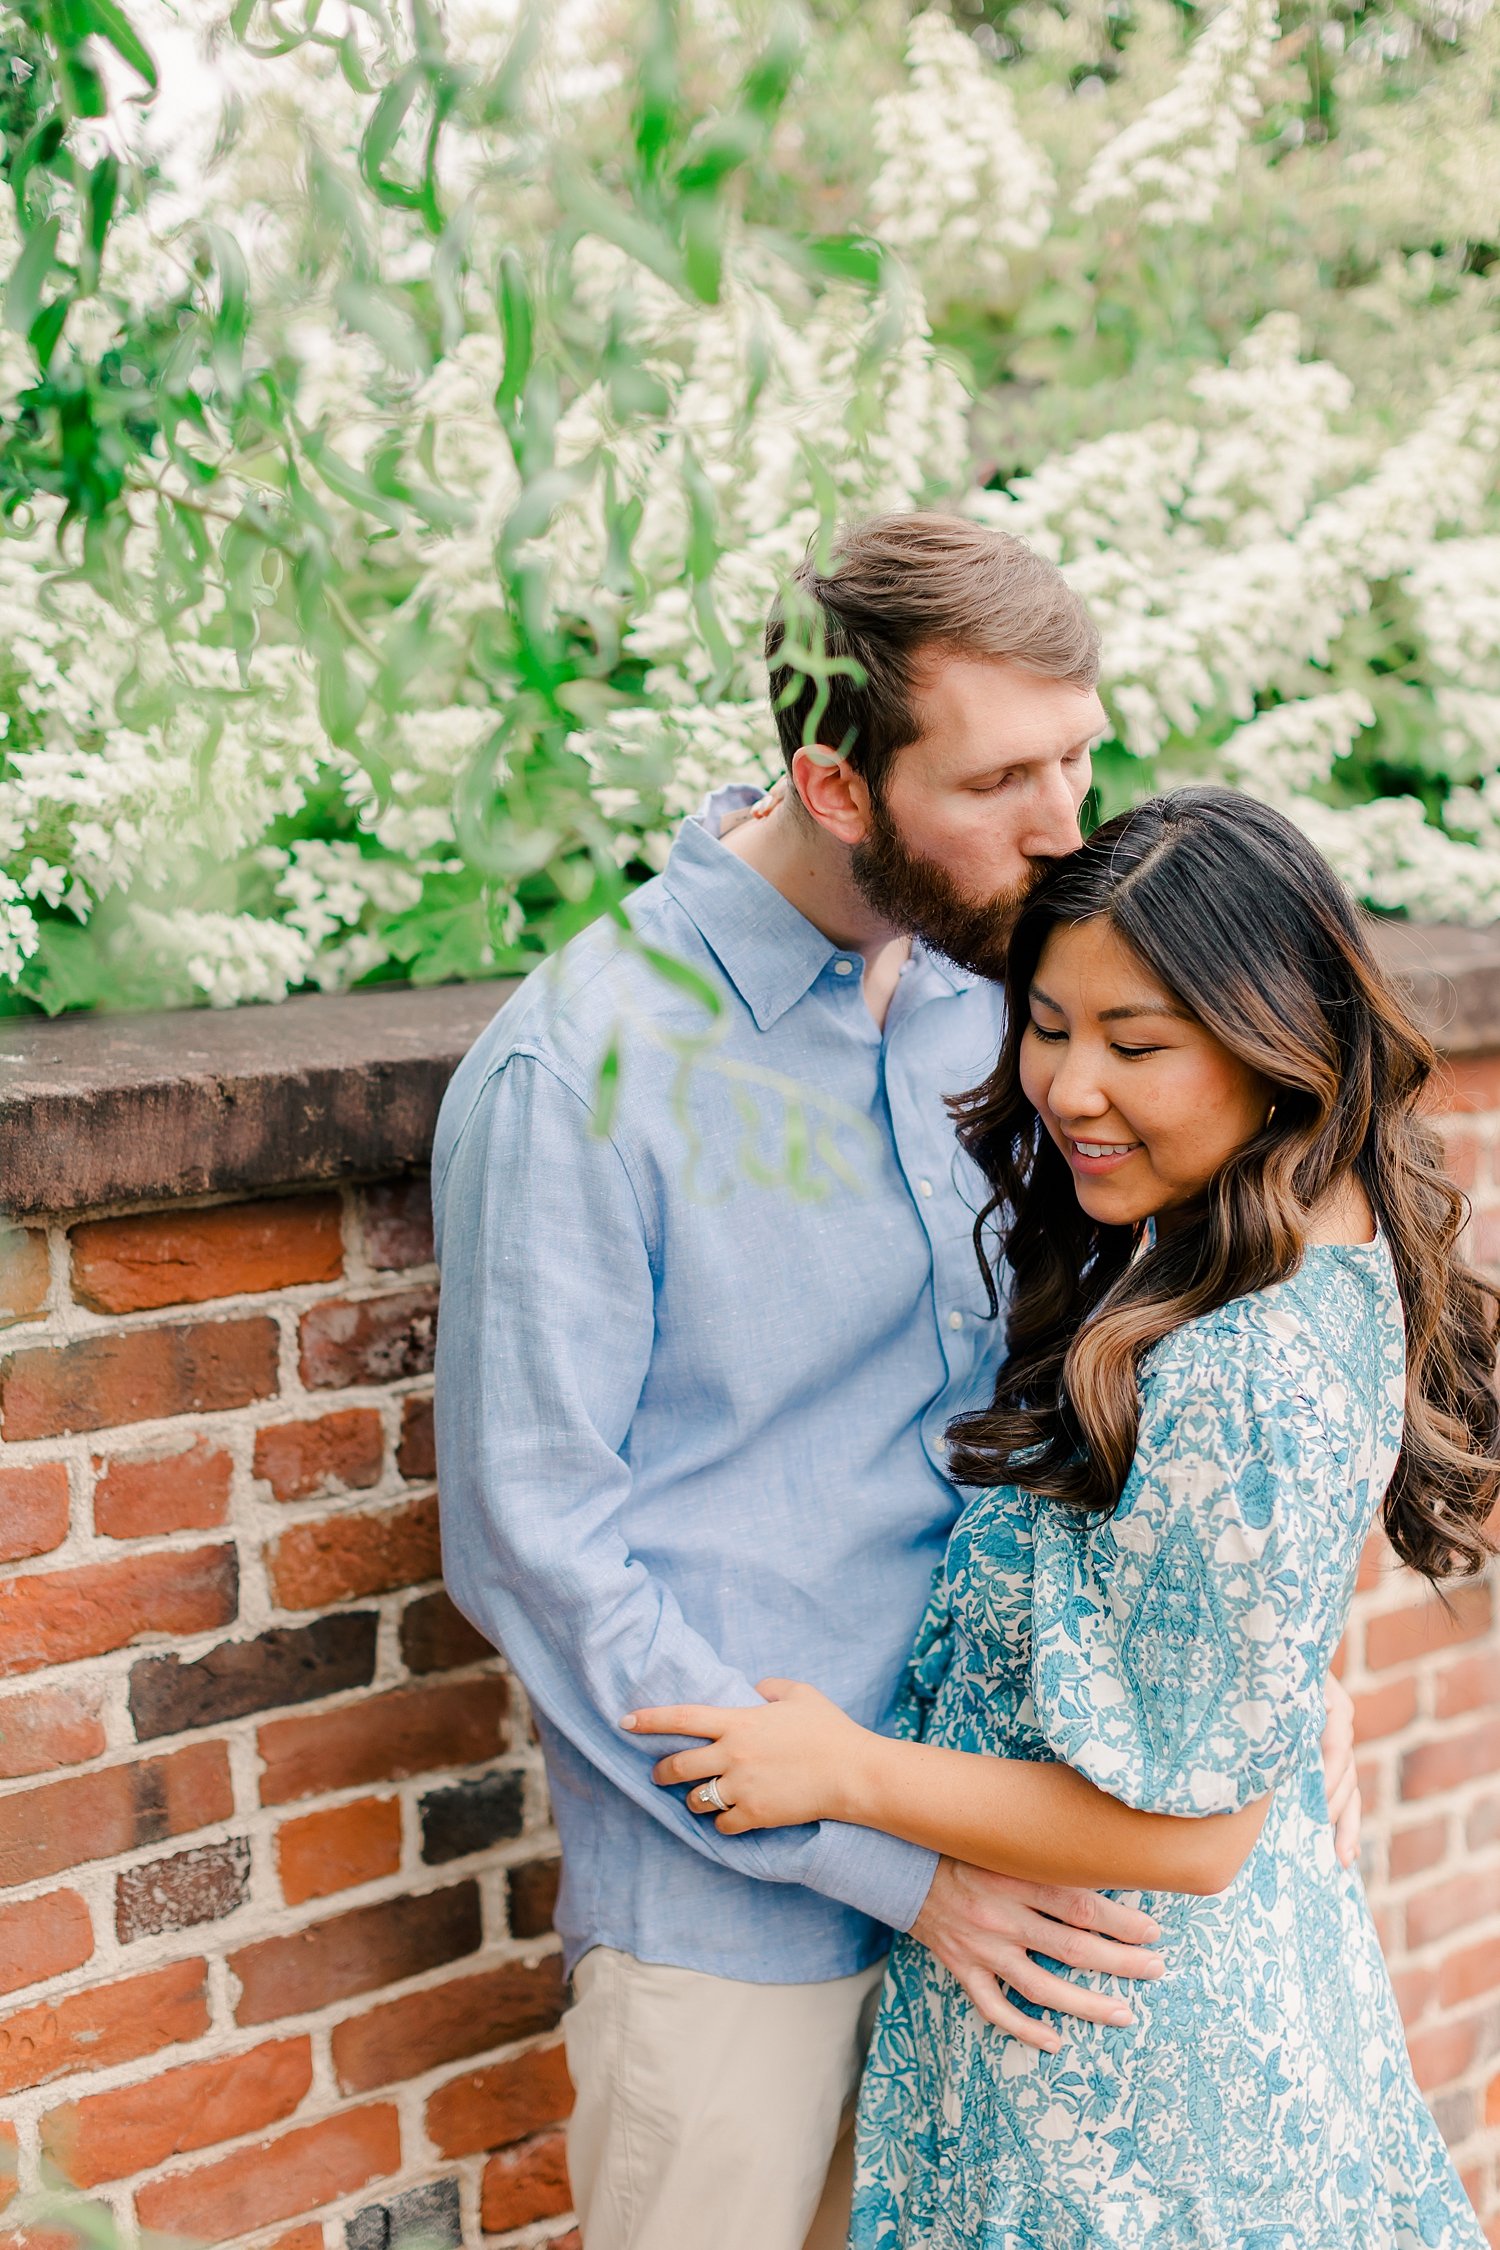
column 1115, row 1381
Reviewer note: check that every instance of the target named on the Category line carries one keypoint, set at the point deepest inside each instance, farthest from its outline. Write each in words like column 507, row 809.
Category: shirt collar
column 771, row 954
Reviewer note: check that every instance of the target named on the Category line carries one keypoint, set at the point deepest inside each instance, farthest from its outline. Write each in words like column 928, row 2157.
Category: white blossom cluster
column 1174, row 157
column 1222, row 570
column 1227, row 546
column 960, row 186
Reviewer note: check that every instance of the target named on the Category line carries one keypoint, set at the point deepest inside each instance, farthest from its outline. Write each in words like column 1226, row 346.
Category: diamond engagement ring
column 710, row 1794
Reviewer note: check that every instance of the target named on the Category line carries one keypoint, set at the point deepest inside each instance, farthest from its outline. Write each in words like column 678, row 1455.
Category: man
column 691, row 1426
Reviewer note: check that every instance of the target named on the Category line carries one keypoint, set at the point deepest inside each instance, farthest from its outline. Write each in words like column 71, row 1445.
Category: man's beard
column 916, row 896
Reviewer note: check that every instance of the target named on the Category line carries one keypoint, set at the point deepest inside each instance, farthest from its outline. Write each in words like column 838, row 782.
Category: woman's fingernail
column 1121, row 2016
column 1153, row 1931
column 1155, row 1965
column 628, row 1720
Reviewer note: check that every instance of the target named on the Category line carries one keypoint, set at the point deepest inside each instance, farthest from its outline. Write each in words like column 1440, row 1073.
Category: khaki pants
column 712, row 2115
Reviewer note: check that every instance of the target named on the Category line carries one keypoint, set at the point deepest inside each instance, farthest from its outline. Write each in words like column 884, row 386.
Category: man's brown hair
column 896, row 587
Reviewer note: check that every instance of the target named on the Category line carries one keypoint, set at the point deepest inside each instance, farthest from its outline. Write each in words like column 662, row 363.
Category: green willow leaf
column 383, row 132
column 513, row 299
column 389, row 326
column 29, row 275
column 112, row 24
column 597, row 212
column 606, row 1091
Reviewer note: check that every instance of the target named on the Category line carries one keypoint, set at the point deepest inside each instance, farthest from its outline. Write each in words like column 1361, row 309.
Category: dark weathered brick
column 368, row 1340
column 398, row 1222
column 533, row 1897
column 288, row 1664
column 472, row 1815
column 437, row 1637
column 355, row 1951
column 416, row 1454
column 428, row 2214
column 202, row 1885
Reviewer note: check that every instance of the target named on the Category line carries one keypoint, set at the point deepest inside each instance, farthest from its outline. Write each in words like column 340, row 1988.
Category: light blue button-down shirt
column 689, row 1427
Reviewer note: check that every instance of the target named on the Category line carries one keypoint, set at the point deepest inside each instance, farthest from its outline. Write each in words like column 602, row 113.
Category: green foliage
column 393, row 489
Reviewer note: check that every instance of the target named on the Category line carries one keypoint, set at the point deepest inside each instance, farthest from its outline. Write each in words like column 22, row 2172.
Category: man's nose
column 1055, row 828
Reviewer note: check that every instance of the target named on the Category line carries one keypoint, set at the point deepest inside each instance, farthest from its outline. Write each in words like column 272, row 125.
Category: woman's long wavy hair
column 1242, row 921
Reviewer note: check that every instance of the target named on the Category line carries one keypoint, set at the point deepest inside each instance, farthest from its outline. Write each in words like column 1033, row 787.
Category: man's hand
column 985, row 1929
column 1340, row 1779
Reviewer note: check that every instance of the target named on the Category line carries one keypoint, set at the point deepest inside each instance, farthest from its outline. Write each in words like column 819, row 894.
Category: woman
column 1238, row 1329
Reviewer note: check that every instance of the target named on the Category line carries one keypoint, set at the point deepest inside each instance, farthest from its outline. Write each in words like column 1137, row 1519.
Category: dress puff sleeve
column 1180, row 1646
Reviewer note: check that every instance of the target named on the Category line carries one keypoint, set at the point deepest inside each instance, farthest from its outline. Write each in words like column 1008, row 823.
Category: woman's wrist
column 858, row 1786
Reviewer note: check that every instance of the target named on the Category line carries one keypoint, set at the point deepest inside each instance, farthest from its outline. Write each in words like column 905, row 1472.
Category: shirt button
column 955, row 1320
column 925, row 1186
column 843, row 968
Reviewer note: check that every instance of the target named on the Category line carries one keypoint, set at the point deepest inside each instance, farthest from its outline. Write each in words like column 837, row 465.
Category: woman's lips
column 1094, row 1159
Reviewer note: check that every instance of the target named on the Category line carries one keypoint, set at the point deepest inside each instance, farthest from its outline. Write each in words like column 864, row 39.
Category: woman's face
column 1141, row 1098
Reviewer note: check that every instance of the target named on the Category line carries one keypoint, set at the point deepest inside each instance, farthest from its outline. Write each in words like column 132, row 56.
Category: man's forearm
column 1042, row 1823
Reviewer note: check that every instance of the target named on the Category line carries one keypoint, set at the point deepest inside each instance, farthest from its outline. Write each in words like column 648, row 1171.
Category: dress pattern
column 1175, row 1653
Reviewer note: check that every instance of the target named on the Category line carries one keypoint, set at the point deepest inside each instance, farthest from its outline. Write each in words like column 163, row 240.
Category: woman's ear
column 832, row 794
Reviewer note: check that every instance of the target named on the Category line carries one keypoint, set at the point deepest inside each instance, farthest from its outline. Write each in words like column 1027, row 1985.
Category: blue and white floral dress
column 1175, row 1653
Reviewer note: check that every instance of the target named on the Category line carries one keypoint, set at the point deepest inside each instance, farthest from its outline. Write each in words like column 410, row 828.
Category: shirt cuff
column 879, row 1875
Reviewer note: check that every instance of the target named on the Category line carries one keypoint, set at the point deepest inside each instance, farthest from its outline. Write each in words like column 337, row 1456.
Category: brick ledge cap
column 104, row 1109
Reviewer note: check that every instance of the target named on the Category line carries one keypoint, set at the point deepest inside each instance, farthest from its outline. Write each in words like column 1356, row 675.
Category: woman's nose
column 1075, row 1089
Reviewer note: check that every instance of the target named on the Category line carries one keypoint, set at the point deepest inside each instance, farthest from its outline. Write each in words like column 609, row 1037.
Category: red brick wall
column 275, row 1875
column 275, row 1870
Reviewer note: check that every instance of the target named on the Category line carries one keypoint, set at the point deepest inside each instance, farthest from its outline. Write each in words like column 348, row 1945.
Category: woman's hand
column 793, row 1758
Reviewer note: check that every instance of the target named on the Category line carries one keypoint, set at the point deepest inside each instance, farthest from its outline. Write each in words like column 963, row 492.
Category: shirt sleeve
column 544, row 1338
column 1180, row 1646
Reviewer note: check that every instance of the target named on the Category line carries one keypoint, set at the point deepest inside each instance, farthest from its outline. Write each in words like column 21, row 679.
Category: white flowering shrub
column 404, row 427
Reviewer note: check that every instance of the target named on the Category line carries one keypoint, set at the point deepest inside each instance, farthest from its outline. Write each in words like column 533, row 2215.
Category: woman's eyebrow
column 1045, row 998
column 1143, row 1008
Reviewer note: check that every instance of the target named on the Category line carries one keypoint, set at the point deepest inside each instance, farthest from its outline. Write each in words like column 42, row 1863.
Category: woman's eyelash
column 1040, row 1031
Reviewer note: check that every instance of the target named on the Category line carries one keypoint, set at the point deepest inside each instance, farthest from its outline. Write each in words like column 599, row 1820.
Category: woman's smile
column 1093, row 1158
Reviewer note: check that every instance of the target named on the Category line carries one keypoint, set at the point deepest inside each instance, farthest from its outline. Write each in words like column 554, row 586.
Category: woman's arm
column 1044, row 1823
column 798, row 1757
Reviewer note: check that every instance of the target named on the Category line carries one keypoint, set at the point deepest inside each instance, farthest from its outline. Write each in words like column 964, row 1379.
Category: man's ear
column 833, row 795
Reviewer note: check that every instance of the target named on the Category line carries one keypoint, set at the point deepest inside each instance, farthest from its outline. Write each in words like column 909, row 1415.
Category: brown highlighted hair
column 896, row 587
column 1234, row 912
